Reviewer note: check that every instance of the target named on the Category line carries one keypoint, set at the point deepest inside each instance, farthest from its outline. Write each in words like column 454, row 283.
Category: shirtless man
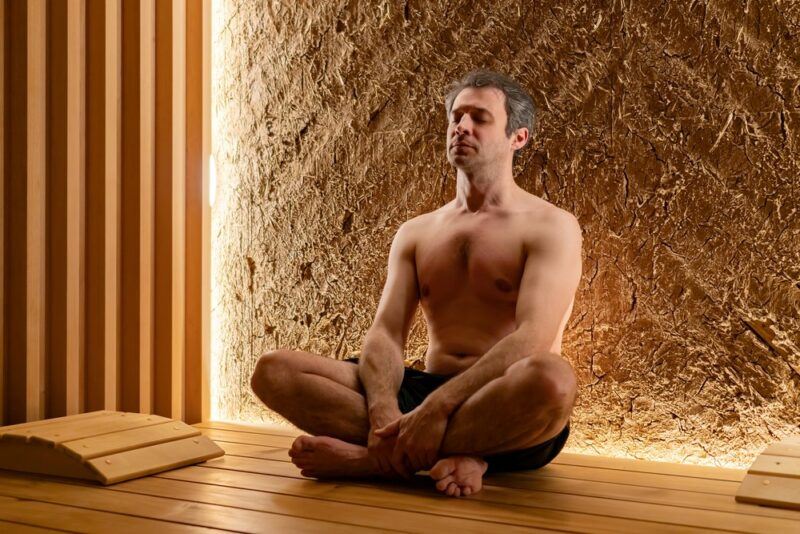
column 495, row 271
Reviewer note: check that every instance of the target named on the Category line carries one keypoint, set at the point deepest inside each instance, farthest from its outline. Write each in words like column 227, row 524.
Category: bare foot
column 326, row 457
column 459, row 475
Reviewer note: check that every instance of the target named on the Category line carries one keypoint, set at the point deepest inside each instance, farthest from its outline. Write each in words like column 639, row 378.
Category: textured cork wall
column 670, row 130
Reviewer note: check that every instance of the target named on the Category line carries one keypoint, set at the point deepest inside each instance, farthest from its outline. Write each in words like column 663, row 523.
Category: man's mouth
column 460, row 144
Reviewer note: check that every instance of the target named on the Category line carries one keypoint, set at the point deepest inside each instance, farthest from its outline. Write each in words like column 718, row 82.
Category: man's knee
column 272, row 370
column 553, row 378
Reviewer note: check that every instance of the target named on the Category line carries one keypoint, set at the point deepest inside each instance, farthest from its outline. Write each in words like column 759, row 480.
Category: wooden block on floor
column 774, row 477
column 104, row 446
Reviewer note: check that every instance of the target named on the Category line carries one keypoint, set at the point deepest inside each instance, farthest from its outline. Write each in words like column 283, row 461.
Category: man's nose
column 463, row 126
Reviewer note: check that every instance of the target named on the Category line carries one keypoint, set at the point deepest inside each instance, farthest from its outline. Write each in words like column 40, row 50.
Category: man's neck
column 484, row 189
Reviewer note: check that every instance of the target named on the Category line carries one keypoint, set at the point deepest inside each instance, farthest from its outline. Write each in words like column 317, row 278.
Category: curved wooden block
column 105, row 446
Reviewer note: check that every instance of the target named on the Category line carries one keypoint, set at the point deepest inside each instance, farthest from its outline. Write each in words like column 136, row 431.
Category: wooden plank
column 14, row 210
column 148, row 507
column 59, row 433
column 178, row 211
column 131, row 371
column 56, row 211
column 422, row 501
column 206, row 232
column 35, row 247
column 92, row 447
column 55, row 420
column 246, row 437
column 194, row 118
column 20, row 528
column 113, row 186
column 309, row 508
column 644, row 466
column 771, row 491
column 163, row 260
column 146, row 200
column 783, row 448
column 2, row 217
column 601, row 506
column 259, row 428
column 253, row 451
column 75, row 250
column 94, row 327
column 80, row 519
column 784, row 466
column 153, row 459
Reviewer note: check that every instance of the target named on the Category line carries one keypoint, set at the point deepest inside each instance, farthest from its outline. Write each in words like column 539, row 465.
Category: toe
column 443, row 483
column 442, row 468
column 451, row 488
column 467, row 491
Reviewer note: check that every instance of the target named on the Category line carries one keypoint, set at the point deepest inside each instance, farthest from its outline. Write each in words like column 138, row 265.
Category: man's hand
column 382, row 449
column 419, row 433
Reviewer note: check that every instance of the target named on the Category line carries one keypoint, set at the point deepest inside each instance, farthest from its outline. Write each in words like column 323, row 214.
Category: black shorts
column 419, row 384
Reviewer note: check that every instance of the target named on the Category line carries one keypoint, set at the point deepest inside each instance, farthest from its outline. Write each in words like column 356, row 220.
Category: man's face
column 476, row 132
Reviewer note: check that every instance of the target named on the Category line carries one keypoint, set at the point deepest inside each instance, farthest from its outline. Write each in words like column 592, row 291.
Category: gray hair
column 520, row 109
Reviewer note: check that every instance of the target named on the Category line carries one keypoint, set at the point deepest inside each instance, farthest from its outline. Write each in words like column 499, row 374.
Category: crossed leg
column 528, row 405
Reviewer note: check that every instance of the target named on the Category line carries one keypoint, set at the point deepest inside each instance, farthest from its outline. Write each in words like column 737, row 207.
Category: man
column 495, row 271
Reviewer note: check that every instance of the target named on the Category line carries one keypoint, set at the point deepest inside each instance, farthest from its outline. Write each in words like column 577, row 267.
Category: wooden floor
column 254, row 488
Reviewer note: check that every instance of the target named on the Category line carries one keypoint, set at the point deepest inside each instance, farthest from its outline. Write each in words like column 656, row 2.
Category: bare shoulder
column 551, row 224
column 415, row 226
column 410, row 231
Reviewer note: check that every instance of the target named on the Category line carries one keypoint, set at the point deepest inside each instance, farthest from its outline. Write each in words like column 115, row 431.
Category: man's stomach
column 440, row 363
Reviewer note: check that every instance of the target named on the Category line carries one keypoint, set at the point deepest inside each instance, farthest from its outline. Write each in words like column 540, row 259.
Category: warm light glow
column 212, row 180
column 214, row 321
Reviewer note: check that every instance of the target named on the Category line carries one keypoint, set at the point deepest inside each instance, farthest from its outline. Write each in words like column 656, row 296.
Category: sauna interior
column 186, row 185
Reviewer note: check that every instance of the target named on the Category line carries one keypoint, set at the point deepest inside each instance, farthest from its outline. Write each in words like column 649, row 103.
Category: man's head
column 491, row 115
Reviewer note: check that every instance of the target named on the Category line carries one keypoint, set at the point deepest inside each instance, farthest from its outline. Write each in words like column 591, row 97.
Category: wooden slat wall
column 104, row 234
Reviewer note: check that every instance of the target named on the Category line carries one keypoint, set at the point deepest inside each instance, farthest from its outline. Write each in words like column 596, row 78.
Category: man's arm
column 381, row 364
column 549, row 281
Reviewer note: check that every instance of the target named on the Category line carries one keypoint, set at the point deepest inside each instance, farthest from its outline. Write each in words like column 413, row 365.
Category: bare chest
column 484, row 260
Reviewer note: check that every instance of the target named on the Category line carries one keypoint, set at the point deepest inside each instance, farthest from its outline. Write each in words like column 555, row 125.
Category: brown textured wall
column 670, row 130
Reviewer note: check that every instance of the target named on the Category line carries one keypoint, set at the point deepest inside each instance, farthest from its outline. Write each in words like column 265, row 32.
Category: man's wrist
column 382, row 412
column 439, row 403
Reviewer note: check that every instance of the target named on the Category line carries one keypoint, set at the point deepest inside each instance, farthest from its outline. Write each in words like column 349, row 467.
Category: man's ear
column 520, row 138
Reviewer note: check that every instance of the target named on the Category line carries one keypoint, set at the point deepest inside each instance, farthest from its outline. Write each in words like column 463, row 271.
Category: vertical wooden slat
column 196, row 92
column 2, row 215
column 112, row 191
column 205, row 289
column 94, row 323
column 35, row 248
column 146, row 208
column 163, row 260
column 178, row 280
column 56, row 212
column 131, row 160
column 76, row 53
column 15, row 211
